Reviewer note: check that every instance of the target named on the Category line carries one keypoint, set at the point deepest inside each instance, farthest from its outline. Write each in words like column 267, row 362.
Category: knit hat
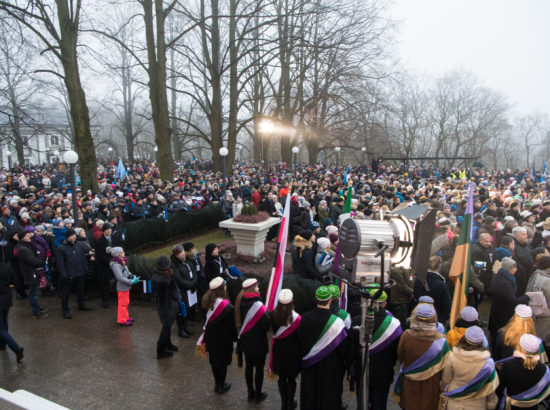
column 99, row 223
column 425, row 311
column 163, row 263
column 306, row 235
column 115, row 251
column 509, row 218
column 523, row 311
column 382, row 298
column 426, row 299
column 67, row 221
column 331, row 229
column 469, row 314
column 187, row 246
column 501, row 253
column 25, row 215
column 333, row 237
column 285, row 296
column 40, row 228
column 322, row 294
column 216, row 283
column 77, row 231
column 529, row 343
column 29, row 228
column 176, row 250
column 70, row 232
column 334, row 291
column 508, row 263
column 250, row 283
column 474, row 335
column 323, row 243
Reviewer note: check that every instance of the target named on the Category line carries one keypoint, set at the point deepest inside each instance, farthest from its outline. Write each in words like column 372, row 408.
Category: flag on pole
column 460, row 268
column 346, row 176
column 121, row 171
column 276, row 280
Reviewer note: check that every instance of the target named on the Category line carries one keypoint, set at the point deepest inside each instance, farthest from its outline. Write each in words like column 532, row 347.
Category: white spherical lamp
column 70, row 157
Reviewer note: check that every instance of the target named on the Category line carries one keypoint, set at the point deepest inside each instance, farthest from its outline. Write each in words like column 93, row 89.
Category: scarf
column 122, row 261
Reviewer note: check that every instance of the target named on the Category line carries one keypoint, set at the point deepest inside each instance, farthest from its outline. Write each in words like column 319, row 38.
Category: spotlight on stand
column 365, row 240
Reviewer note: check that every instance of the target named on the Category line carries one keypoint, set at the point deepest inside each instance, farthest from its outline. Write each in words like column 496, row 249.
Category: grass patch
column 216, row 236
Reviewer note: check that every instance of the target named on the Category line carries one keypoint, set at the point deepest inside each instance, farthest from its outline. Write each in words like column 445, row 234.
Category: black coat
column 212, row 268
column 7, row 278
column 286, row 353
column 219, row 337
column 304, row 265
column 71, row 260
column 185, row 277
column 439, row 292
column 500, row 349
column 321, row 384
column 516, row 379
column 103, row 259
column 254, row 342
column 168, row 297
column 382, row 363
column 480, row 256
column 29, row 261
column 504, row 302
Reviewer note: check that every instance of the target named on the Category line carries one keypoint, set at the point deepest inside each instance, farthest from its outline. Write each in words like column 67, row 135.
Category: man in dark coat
column 321, row 378
column 193, row 260
column 187, row 282
column 103, row 259
column 437, row 290
column 7, row 278
column 30, row 263
column 72, row 265
column 481, row 258
column 503, row 290
column 523, row 255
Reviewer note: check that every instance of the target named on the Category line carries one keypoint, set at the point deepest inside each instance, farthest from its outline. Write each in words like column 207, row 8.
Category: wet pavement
column 90, row 362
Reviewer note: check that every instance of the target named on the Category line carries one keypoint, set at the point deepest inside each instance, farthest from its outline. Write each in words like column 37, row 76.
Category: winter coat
column 219, row 336
column 286, row 353
column 517, row 379
column 461, row 368
column 481, row 261
column 303, row 259
column 504, row 301
column 122, row 275
column 71, row 260
column 254, row 342
column 417, row 394
column 540, row 281
column 185, row 277
column 319, row 258
column 168, row 297
column 30, row 263
column 439, row 291
column 215, row 266
column 7, row 278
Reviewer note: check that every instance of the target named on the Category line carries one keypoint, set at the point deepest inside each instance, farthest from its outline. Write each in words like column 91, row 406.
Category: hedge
column 154, row 231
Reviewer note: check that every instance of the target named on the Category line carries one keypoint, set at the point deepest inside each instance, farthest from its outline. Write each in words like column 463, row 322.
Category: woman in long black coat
column 168, row 298
column 219, row 334
column 7, row 277
column 187, row 281
column 285, row 352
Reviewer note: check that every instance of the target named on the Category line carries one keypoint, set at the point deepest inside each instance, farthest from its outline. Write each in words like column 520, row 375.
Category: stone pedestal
column 250, row 238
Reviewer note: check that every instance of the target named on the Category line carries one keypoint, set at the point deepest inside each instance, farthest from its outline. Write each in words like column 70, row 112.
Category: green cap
column 334, row 291
column 322, row 293
column 383, row 296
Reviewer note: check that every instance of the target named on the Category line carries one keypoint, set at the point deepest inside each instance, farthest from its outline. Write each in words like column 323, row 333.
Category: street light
column 156, row 149
column 8, row 153
column 223, row 153
column 110, row 149
column 337, row 149
column 363, row 150
column 265, row 127
column 294, row 153
column 71, row 158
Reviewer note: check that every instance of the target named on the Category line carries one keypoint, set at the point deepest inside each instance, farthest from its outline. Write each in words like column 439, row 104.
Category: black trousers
column 67, row 286
column 219, row 374
column 254, row 382
column 164, row 338
column 287, row 389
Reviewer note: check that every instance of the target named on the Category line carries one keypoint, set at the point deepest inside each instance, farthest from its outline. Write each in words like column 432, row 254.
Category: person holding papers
column 253, row 323
column 187, row 281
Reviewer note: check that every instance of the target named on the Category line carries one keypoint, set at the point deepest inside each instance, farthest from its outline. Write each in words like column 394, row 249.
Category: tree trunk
column 80, row 115
column 16, row 128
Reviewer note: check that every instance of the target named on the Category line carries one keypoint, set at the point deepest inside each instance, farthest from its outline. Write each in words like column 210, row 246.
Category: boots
column 171, row 347
column 182, row 331
column 222, row 387
column 162, row 352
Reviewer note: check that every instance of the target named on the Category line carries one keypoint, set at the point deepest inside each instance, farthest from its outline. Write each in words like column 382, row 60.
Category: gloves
column 135, row 280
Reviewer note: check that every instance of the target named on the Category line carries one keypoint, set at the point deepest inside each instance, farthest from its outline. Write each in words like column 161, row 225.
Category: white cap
column 216, row 283
column 331, row 229
column 524, row 311
column 323, row 243
column 249, row 283
column 529, row 343
column 285, row 296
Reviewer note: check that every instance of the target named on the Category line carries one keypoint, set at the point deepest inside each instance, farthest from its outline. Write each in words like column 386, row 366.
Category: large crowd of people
column 48, row 250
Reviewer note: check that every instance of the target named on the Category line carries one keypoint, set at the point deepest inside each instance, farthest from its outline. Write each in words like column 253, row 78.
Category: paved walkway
column 91, row 363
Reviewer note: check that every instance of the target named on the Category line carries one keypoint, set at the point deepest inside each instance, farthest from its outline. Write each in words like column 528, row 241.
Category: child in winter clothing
column 125, row 280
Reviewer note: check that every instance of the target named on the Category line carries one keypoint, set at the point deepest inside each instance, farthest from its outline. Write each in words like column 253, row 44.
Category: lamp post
column 110, row 149
column 71, row 158
column 363, row 150
column 265, row 127
column 337, row 149
column 8, row 153
column 223, row 153
column 156, row 150
column 294, row 153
